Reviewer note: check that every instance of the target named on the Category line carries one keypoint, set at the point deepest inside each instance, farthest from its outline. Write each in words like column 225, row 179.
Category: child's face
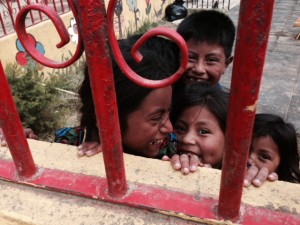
column 207, row 62
column 198, row 132
column 149, row 125
column 264, row 153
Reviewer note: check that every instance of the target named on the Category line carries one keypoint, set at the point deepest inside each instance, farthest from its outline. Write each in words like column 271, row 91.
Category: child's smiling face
column 199, row 133
column 149, row 125
column 264, row 153
column 207, row 62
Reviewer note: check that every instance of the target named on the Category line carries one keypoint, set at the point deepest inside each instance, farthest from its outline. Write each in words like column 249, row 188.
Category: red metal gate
column 253, row 31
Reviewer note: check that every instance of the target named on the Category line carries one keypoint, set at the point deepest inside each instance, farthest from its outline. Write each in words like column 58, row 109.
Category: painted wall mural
column 23, row 59
column 73, row 31
column 129, row 17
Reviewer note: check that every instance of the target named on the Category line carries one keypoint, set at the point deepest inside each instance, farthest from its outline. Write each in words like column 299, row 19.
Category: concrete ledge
column 28, row 205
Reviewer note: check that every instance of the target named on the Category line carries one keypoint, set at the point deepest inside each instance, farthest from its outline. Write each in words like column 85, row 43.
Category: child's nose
column 251, row 159
column 167, row 127
column 199, row 67
column 189, row 139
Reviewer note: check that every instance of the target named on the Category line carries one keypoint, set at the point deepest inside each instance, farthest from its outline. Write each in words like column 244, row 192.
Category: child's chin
column 152, row 152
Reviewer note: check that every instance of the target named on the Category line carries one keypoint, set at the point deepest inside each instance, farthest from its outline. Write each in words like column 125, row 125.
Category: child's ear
column 229, row 60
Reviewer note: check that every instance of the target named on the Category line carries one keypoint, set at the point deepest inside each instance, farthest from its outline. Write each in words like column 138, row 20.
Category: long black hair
column 284, row 136
column 205, row 95
column 160, row 59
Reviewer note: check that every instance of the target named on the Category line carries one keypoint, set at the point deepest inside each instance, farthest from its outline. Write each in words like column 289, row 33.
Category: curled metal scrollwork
column 60, row 27
column 167, row 32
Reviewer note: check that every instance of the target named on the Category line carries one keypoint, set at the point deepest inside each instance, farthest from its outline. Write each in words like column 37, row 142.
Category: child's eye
column 264, row 157
column 156, row 119
column 179, row 129
column 203, row 131
column 192, row 58
column 212, row 59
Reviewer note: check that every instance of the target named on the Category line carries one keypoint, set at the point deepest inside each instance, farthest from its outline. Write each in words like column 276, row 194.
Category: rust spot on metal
column 251, row 108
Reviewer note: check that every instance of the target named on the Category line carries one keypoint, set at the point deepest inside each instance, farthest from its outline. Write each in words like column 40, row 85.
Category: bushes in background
column 40, row 104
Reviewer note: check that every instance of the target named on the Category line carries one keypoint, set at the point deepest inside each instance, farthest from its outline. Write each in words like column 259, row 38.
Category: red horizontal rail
column 199, row 209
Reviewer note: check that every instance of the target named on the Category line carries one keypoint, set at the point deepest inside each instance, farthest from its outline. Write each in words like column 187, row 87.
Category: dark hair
column 211, row 26
column 163, row 48
column 284, row 136
column 205, row 95
column 154, row 66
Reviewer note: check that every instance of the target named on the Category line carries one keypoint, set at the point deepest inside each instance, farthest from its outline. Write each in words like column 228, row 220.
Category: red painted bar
column 9, row 9
column 19, row 4
column 31, row 15
column 40, row 14
column 252, row 39
column 54, row 5
column 2, row 25
column 175, row 203
column 92, row 24
column 13, row 131
column 62, row 6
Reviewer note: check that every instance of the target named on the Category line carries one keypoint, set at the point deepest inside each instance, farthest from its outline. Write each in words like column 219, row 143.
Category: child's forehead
column 196, row 42
column 205, row 47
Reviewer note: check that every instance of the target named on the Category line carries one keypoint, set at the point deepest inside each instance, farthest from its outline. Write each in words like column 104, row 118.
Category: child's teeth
column 156, row 142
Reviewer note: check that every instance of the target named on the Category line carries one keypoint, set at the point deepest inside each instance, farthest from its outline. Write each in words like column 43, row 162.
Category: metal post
column 2, row 24
column 251, row 45
column 13, row 131
column 93, row 27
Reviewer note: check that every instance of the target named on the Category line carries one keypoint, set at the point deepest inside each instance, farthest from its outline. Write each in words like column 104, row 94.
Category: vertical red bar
column 251, row 45
column 62, row 6
column 40, row 14
column 10, row 11
column 31, row 14
column 19, row 4
column 54, row 5
column 2, row 25
column 93, row 28
column 13, row 130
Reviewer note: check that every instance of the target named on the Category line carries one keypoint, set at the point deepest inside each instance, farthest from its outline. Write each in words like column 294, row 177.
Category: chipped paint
column 251, row 108
column 270, row 198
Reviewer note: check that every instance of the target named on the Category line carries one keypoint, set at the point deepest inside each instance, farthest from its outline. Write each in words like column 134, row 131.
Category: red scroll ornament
column 31, row 50
column 60, row 27
column 92, row 13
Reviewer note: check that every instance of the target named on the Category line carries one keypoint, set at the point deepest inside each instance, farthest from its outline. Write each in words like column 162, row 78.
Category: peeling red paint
column 200, row 209
column 246, row 78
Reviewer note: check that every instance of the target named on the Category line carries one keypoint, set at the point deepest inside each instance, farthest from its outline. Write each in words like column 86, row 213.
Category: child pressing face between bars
column 209, row 35
column 199, row 118
column 143, row 112
column 274, row 147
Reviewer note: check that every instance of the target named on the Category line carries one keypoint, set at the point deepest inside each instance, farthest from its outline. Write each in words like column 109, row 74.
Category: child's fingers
column 93, row 151
column 89, row 148
column 175, row 162
column 273, row 176
column 261, row 177
column 185, row 163
column 194, row 162
column 250, row 174
column 207, row 165
column 165, row 158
